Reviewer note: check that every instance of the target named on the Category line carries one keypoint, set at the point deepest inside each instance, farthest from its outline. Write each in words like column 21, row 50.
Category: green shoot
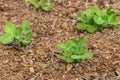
column 95, row 19
column 42, row 4
column 22, row 35
column 74, row 50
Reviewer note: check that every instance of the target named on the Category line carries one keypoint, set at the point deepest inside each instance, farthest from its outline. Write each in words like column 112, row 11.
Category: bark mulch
column 38, row 61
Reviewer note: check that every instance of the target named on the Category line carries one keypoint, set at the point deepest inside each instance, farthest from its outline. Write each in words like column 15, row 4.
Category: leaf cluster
column 96, row 19
column 42, row 4
column 74, row 50
column 22, row 35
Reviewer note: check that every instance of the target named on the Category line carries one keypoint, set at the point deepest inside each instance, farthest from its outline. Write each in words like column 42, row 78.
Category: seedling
column 74, row 50
column 42, row 4
column 95, row 19
column 22, row 35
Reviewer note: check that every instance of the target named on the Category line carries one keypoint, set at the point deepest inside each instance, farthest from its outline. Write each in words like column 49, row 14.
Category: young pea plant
column 95, row 19
column 74, row 50
column 42, row 4
column 20, row 36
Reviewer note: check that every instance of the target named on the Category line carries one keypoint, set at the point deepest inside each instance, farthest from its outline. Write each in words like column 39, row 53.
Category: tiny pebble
column 69, row 67
column 0, row 68
column 32, row 79
column 31, row 69
column 118, row 71
column 43, row 66
column 5, row 61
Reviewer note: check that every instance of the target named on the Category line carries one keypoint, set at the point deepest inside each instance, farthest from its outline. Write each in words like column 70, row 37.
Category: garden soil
column 38, row 61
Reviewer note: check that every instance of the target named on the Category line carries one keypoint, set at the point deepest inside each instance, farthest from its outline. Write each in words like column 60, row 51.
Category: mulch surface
column 38, row 60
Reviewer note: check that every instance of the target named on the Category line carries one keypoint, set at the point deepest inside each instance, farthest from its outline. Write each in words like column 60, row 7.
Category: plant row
column 73, row 50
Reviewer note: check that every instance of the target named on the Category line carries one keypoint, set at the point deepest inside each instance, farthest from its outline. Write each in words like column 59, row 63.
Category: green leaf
column 81, row 45
column 98, row 20
column 34, row 2
column 96, row 10
column 69, row 60
column 61, row 57
column 47, row 7
column 18, row 33
column 91, row 28
column 23, row 34
column 62, row 46
column 69, row 48
column 18, row 41
column 89, row 13
column 72, row 42
column 7, row 38
column 43, row 2
column 83, row 18
column 85, row 56
column 112, row 19
column 27, row 38
column 27, row 30
column 25, row 24
column 81, row 26
column 110, row 11
column 66, row 48
column 10, row 28
column 25, row 27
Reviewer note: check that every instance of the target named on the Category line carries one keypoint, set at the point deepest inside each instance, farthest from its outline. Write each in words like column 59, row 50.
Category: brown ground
column 38, row 60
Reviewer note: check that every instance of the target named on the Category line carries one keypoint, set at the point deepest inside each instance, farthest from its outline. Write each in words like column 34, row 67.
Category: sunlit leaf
column 6, row 38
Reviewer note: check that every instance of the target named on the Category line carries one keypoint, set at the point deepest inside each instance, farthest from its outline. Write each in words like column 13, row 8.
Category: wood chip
column 69, row 67
column 5, row 61
column 31, row 69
